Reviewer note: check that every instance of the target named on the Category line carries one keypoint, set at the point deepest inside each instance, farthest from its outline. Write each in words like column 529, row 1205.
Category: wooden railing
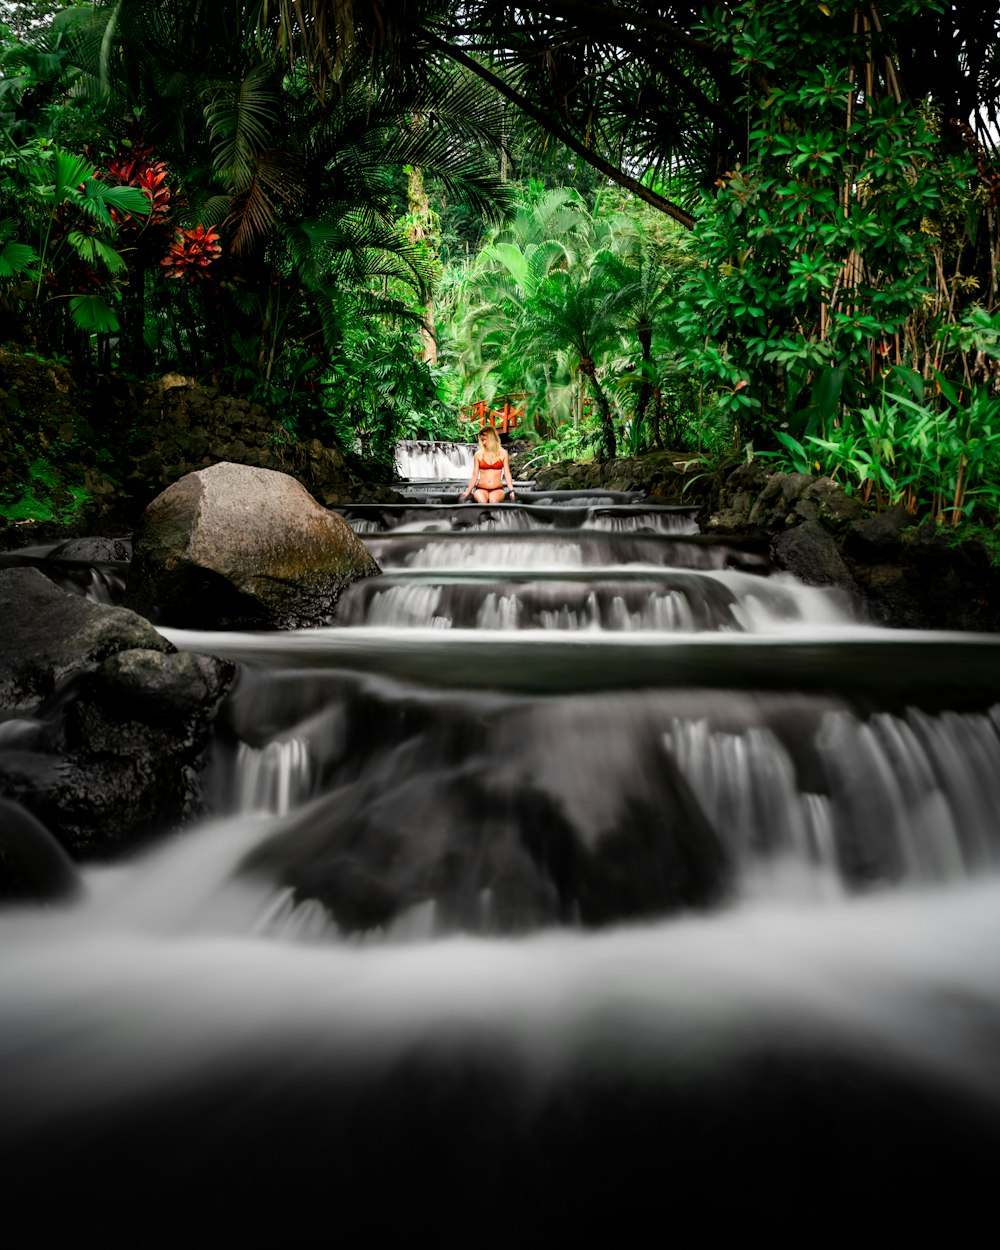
column 504, row 419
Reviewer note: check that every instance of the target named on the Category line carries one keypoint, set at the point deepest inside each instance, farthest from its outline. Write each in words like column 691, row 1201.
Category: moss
column 985, row 535
column 45, row 498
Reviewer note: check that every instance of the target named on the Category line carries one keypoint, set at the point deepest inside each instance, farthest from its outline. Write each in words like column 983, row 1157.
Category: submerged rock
column 33, row 865
column 437, row 815
column 810, row 552
column 234, row 547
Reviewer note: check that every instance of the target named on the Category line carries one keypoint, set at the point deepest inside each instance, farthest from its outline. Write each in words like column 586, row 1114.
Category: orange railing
column 503, row 419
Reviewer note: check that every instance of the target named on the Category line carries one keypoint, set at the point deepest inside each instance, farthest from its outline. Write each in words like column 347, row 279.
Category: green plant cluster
column 568, row 308
column 279, row 247
column 292, row 208
column 834, row 317
column 939, row 459
column 45, row 495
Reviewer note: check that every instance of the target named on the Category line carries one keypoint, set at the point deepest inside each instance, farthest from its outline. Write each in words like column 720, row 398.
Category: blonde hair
column 490, row 440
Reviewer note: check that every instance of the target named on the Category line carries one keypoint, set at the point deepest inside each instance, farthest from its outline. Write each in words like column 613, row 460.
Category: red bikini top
column 498, row 465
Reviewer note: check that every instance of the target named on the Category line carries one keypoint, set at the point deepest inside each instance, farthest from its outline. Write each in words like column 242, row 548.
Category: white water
column 434, row 461
column 178, row 968
column 539, row 556
column 754, row 605
column 151, row 993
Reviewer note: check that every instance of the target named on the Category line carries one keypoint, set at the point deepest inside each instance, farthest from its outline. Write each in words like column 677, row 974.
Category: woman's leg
column 497, row 496
column 481, row 496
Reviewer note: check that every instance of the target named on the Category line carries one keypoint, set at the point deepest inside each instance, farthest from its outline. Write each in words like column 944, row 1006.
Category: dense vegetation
column 741, row 229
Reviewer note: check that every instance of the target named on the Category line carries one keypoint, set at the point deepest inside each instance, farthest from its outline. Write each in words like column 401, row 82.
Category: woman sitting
column 490, row 465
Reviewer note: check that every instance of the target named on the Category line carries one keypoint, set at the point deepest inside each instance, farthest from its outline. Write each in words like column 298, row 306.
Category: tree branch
column 558, row 132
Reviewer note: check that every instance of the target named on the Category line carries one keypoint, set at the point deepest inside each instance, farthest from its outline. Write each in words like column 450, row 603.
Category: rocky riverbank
column 103, row 724
column 907, row 574
column 89, row 460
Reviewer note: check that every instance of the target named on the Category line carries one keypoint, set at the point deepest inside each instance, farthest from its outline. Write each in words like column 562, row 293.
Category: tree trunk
column 607, row 425
column 420, row 232
column 645, row 336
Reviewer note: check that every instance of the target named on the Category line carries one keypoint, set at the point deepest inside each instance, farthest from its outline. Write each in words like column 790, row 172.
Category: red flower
column 192, row 252
column 134, row 168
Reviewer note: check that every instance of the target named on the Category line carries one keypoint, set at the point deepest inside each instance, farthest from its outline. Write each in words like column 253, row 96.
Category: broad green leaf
column 16, row 258
column 93, row 251
column 62, row 177
column 128, row 199
column 93, row 314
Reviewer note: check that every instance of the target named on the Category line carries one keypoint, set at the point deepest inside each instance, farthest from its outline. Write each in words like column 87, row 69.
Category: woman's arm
column 509, row 475
column 472, row 479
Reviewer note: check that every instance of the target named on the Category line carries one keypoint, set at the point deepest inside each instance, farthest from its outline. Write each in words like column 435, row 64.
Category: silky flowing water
column 241, row 1032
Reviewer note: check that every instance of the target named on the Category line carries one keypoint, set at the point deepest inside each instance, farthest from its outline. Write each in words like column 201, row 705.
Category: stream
column 584, row 877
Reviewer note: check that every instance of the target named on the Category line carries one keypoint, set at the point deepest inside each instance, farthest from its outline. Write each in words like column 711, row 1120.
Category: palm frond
column 241, row 117
column 93, row 314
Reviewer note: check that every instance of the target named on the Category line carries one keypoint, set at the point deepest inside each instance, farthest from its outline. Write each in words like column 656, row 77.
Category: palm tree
column 647, row 278
column 575, row 310
column 305, row 188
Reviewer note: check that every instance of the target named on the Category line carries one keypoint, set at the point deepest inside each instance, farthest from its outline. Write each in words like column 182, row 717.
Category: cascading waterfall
column 434, row 461
column 272, row 778
column 581, row 856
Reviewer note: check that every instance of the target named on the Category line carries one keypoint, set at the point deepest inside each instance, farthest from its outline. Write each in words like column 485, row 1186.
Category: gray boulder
column 235, row 547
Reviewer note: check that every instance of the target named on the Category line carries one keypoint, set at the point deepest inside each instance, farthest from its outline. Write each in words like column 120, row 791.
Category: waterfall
column 580, row 861
column 273, row 778
column 434, row 461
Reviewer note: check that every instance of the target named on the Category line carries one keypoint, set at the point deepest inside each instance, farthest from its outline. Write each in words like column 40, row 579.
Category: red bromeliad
column 149, row 176
column 192, row 252
column 134, row 166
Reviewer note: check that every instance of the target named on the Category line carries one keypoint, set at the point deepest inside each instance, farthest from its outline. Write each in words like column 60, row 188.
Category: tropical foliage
column 572, row 308
column 275, row 219
column 748, row 228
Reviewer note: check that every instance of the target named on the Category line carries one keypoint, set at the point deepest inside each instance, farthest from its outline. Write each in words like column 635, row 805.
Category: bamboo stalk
column 955, row 513
column 850, row 118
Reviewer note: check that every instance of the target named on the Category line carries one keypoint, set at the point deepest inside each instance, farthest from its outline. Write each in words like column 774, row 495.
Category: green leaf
column 94, row 251
column 16, row 258
column 93, row 314
column 905, row 382
column 128, row 199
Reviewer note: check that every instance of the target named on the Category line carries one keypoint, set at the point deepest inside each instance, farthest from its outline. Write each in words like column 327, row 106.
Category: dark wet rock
column 930, row 583
column 154, row 687
column 94, row 550
column 877, row 538
column 49, row 634
column 906, row 575
column 810, row 552
column 233, row 547
column 105, row 723
column 33, row 865
column 737, row 498
column 754, row 498
column 493, row 852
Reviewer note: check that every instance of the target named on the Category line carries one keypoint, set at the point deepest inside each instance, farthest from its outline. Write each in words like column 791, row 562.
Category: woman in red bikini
column 490, row 464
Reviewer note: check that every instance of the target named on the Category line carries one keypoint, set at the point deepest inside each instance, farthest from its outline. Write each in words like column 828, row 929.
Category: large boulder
column 235, row 547
column 103, row 723
column 510, row 847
